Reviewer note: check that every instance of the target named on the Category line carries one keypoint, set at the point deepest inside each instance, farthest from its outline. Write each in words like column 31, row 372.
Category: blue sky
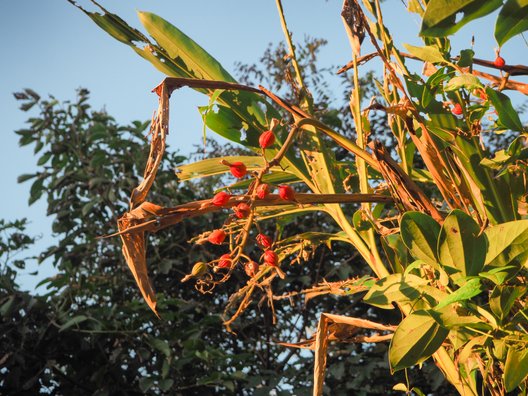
column 53, row 48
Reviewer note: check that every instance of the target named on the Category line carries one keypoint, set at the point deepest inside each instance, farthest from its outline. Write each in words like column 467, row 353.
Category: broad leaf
column 467, row 81
column 440, row 17
column 460, row 247
column 516, row 368
column 420, row 234
column 512, row 20
column 507, row 245
column 417, row 337
column 428, row 53
column 395, row 288
column 508, row 117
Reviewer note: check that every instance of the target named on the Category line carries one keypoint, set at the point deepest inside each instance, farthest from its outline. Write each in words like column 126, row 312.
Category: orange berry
column 225, row 261
column 499, row 62
column 217, row 237
column 457, row 109
column 238, row 169
column 264, row 241
column 251, row 268
column 271, row 258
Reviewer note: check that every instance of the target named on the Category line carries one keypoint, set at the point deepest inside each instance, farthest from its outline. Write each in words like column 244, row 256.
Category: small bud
column 251, row 268
column 217, row 237
column 198, row 270
column 286, row 193
column 221, row 198
column 264, row 241
column 263, row 190
column 225, row 261
column 266, row 139
column 499, row 62
column 271, row 258
column 242, row 210
column 457, row 109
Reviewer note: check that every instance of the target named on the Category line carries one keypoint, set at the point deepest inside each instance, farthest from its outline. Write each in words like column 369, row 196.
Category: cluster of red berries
column 242, row 210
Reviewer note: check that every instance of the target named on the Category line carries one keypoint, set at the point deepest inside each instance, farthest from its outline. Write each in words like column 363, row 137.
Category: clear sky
column 53, row 48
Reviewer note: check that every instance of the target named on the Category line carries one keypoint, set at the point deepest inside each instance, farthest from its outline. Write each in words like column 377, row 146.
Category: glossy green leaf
column 508, row 116
column 460, row 247
column 507, row 245
column 467, row 81
column 417, row 337
column 516, row 368
column 420, row 234
column 512, row 20
column 428, row 53
column 440, row 17
column 179, row 45
column 470, row 289
column 452, row 318
column 397, row 288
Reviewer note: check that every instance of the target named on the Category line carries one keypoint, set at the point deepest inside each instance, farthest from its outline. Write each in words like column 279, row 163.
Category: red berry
column 264, row 241
column 271, row 258
column 221, row 198
column 263, row 190
column 251, row 268
column 238, row 169
column 266, row 139
column 217, row 237
column 242, row 210
column 286, row 193
column 499, row 62
column 225, row 261
column 457, row 109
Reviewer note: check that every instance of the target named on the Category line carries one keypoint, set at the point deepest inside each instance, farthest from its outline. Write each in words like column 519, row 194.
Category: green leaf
column 516, row 368
column 440, row 17
column 507, row 245
column 45, row 158
column 145, row 384
column 25, row 177
column 395, row 288
column 467, row 81
column 502, row 299
column 161, row 345
column 417, row 337
column 72, row 322
column 420, row 234
column 450, row 318
column 508, row 116
column 179, row 45
column 212, row 166
column 470, row 289
column 460, row 247
column 512, row 20
column 428, row 53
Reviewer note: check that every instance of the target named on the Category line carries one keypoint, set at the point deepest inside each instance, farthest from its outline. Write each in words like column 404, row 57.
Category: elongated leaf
column 212, row 166
column 516, row 368
column 417, row 337
column 507, row 245
column 420, row 234
column 73, row 321
column 460, row 248
column 428, row 53
column 395, row 288
column 179, row 45
column 467, row 81
column 508, row 116
column 512, row 20
column 450, row 318
column 440, row 17
column 470, row 289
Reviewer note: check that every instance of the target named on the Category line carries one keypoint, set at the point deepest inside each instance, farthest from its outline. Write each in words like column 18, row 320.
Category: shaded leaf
column 420, row 234
column 394, row 288
column 470, row 289
column 512, row 20
column 516, row 368
column 417, row 337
